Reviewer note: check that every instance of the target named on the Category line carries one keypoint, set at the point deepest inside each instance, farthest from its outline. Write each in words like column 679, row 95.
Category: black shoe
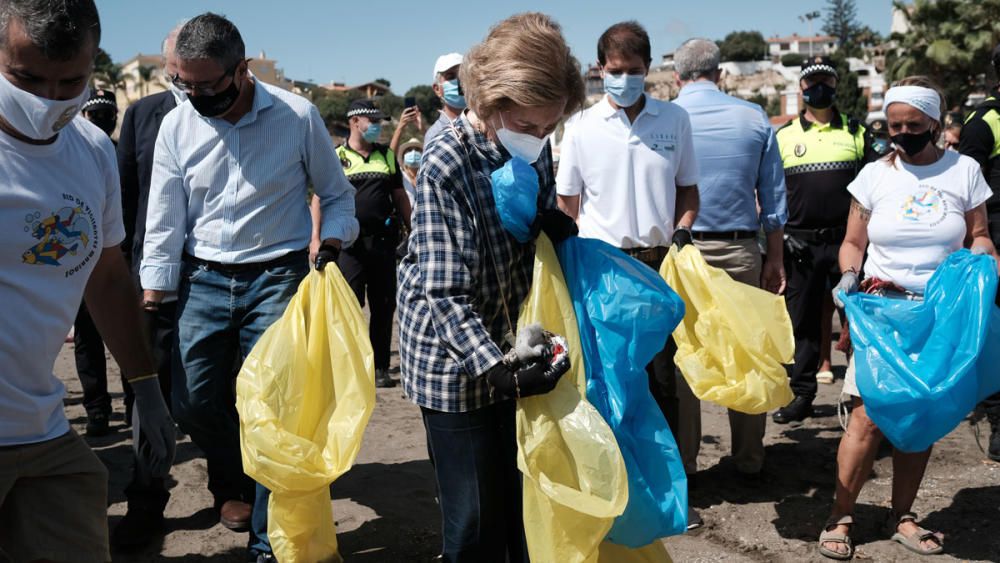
column 798, row 410
column 382, row 379
column 993, row 452
column 98, row 424
column 137, row 528
column 694, row 519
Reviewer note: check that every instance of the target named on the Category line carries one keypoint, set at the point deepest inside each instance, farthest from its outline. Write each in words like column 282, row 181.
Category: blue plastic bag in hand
column 922, row 366
column 515, row 192
column 626, row 312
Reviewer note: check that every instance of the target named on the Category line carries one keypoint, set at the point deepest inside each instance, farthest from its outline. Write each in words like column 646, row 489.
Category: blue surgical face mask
column 373, row 132
column 624, row 89
column 412, row 159
column 515, row 192
column 453, row 94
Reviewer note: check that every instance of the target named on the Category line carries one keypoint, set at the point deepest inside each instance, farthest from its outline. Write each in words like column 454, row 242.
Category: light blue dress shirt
column 238, row 193
column 739, row 161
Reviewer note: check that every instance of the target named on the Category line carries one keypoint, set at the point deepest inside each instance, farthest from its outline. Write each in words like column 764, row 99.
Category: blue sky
column 358, row 41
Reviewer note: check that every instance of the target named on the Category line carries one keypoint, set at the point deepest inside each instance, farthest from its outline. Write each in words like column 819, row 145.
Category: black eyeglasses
column 204, row 88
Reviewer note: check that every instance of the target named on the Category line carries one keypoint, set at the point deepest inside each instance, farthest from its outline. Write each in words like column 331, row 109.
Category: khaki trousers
column 742, row 261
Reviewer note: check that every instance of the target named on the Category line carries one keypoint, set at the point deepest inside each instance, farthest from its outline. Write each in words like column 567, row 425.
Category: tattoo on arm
column 862, row 213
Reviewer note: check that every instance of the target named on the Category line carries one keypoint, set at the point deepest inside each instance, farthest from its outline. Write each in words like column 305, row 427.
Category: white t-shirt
column 918, row 214
column 60, row 205
column 627, row 173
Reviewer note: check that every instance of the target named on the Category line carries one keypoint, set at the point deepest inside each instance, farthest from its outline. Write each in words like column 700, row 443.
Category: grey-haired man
column 228, row 228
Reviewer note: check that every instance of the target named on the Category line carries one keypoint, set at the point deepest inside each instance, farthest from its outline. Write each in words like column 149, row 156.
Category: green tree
column 841, row 21
column 850, row 98
column 743, row 46
column 145, row 76
column 107, row 73
column 950, row 41
column 791, row 59
column 332, row 106
column 384, row 82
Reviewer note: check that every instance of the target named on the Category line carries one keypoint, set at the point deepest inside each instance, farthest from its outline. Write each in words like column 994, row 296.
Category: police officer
column 381, row 203
column 821, row 150
column 980, row 139
column 100, row 109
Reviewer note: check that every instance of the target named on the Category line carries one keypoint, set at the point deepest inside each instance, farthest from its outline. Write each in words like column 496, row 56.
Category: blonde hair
column 524, row 61
column 925, row 82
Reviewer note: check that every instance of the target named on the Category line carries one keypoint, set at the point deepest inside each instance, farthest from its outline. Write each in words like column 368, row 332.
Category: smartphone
column 409, row 102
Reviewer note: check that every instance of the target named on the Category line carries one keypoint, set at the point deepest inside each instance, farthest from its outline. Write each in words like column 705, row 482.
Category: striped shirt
column 238, row 193
column 461, row 267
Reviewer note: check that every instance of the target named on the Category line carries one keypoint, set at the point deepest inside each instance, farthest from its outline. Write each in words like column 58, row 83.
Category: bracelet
column 852, row 270
column 517, row 386
column 141, row 378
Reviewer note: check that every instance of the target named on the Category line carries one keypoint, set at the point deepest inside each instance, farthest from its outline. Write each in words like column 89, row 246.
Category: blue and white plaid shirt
column 452, row 318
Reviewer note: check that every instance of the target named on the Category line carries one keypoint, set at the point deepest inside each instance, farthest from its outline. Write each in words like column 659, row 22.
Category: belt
column 654, row 254
column 827, row 235
column 723, row 235
column 247, row 266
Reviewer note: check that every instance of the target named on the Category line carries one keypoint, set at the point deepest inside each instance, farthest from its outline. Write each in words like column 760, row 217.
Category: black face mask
column 819, row 95
column 105, row 119
column 216, row 104
column 913, row 143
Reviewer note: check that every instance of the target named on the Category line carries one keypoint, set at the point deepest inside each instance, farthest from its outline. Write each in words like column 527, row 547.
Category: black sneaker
column 798, row 410
column 137, row 529
column 382, row 379
column 98, row 424
column 993, row 452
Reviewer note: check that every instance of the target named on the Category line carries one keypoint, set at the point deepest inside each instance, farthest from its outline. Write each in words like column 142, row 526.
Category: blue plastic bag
column 515, row 192
column 626, row 312
column 922, row 366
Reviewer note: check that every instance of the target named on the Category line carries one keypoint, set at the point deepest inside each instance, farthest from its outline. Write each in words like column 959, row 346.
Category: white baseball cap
column 445, row 62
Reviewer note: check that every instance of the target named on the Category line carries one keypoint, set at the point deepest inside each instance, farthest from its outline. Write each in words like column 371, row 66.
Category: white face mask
column 36, row 117
column 180, row 96
column 523, row 145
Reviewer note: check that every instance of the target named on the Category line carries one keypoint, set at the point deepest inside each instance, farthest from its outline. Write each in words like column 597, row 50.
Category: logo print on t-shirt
column 62, row 234
column 927, row 205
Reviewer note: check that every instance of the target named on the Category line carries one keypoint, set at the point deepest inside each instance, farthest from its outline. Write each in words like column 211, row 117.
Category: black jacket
column 135, row 165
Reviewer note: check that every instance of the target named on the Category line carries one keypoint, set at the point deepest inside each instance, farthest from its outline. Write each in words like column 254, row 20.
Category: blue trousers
column 220, row 316
column 479, row 485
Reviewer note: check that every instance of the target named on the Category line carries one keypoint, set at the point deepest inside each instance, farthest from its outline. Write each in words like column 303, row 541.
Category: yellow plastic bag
column 734, row 338
column 304, row 396
column 574, row 475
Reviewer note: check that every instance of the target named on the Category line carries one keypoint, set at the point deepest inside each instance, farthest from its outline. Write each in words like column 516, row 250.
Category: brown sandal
column 913, row 541
column 833, row 536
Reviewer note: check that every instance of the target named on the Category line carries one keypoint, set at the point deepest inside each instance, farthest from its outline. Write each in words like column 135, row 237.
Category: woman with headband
column 911, row 209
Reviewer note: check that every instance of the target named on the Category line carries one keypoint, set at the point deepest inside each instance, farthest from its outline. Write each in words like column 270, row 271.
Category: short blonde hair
column 524, row 61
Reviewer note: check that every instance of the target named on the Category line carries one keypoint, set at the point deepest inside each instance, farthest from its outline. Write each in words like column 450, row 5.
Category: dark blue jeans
column 479, row 485
column 220, row 316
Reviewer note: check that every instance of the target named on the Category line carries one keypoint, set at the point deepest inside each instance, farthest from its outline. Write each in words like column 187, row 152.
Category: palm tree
column 111, row 77
column 145, row 75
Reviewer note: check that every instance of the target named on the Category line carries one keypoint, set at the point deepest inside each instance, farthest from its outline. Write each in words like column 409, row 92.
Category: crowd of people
column 178, row 245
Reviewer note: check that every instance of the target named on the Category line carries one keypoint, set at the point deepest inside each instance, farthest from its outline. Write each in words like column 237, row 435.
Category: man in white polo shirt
column 628, row 173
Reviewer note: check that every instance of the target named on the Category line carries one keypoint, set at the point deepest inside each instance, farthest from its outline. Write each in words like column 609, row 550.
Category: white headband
column 926, row 100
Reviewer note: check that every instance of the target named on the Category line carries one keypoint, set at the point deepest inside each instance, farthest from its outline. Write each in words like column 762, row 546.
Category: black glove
column 534, row 378
column 681, row 238
column 556, row 224
column 327, row 253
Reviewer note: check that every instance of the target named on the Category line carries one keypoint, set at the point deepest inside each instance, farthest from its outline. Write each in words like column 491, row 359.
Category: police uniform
column 980, row 139
column 369, row 265
column 820, row 160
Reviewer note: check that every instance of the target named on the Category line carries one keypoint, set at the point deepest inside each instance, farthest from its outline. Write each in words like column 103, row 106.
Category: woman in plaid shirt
column 465, row 275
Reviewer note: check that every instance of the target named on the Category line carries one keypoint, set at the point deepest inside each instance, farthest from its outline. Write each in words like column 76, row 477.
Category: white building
column 795, row 44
